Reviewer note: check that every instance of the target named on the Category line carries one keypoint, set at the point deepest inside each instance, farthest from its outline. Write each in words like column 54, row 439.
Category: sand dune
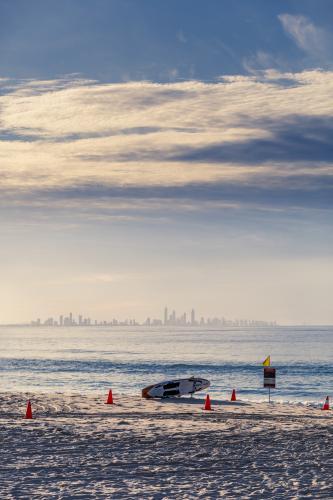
column 78, row 447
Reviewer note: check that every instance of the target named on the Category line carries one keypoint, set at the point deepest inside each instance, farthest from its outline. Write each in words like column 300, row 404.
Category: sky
column 172, row 153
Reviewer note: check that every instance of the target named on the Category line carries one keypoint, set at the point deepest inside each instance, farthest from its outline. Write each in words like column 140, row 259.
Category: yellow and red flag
column 267, row 361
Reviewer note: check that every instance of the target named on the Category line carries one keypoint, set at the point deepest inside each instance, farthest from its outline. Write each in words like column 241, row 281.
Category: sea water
column 126, row 359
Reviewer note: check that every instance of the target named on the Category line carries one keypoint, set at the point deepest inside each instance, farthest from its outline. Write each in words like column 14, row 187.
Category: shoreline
column 219, row 401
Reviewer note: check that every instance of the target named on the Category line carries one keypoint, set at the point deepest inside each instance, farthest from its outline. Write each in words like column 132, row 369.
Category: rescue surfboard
column 175, row 387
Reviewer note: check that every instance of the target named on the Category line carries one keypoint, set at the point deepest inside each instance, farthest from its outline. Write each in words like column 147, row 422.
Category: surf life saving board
column 176, row 387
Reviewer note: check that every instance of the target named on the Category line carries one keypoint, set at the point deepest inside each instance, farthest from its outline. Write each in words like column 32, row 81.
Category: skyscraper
column 192, row 317
column 165, row 315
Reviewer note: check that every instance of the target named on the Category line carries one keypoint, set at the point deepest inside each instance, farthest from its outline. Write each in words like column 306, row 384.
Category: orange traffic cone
column 233, row 395
column 207, row 403
column 110, row 398
column 28, row 413
column 326, row 404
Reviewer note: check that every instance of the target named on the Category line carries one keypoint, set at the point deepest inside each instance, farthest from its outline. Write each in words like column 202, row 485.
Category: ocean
column 126, row 359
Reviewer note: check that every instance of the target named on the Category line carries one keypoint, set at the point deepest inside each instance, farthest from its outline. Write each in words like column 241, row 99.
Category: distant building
column 192, row 317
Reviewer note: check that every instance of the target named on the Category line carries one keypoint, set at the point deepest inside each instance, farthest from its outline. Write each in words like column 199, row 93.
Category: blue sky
column 147, row 39
column 172, row 153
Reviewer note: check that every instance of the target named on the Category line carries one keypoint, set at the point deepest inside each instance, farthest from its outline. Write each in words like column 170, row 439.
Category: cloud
column 91, row 278
column 230, row 142
column 310, row 38
column 299, row 139
column 262, row 61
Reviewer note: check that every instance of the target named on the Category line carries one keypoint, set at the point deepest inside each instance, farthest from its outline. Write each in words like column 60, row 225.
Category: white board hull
column 175, row 387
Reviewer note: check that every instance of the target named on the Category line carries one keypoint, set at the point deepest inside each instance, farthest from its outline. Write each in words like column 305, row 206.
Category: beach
column 76, row 446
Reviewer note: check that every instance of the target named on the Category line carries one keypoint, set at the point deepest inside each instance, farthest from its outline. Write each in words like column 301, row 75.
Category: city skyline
column 171, row 319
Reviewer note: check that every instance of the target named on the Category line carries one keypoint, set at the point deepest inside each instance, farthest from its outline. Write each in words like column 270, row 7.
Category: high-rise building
column 172, row 319
column 165, row 315
column 192, row 317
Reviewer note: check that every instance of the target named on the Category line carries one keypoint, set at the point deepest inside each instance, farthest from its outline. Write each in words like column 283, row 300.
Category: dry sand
column 78, row 447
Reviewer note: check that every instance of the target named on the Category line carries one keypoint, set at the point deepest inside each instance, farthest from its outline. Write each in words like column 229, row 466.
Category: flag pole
column 269, row 376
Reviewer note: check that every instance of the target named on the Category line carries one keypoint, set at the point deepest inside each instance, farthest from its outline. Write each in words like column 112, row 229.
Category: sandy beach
column 78, row 447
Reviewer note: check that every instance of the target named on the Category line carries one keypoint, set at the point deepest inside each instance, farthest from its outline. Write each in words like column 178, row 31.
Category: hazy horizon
column 167, row 154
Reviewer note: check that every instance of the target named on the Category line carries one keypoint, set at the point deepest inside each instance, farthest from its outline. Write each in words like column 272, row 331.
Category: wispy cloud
column 93, row 278
column 310, row 38
column 300, row 138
